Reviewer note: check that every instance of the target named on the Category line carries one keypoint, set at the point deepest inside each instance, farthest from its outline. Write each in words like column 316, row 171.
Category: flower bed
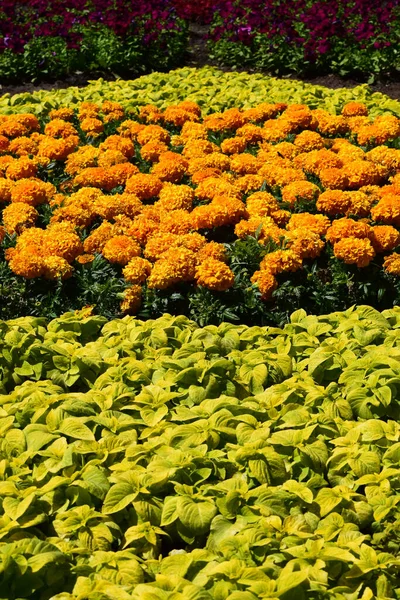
column 307, row 36
column 212, row 89
column 41, row 39
column 239, row 215
column 161, row 460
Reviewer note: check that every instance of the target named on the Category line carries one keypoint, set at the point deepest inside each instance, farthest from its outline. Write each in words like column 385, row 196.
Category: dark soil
column 197, row 56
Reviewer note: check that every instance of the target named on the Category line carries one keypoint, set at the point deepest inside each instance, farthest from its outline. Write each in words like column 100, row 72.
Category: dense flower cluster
column 155, row 196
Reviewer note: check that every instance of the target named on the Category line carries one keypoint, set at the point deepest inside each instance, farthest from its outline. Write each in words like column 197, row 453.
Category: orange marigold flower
column 334, row 179
column 119, row 174
column 281, row 217
column 309, row 140
column 346, row 228
column 354, row 251
column 214, row 275
column 174, row 197
column 280, row 261
column 27, row 263
column 109, row 158
column 177, row 221
column 58, row 128
column 132, row 300
column 21, row 168
column 172, row 167
column 200, row 176
column 159, row 243
column 281, row 176
column 83, row 158
column 176, row 264
column 98, row 238
column 389, row 157
column 233, row 145
column 145, row 186
column 57, row 149
column 5, row 189
column 387, row 210
column 299, row 191
column 109, row 107
column 192, row 131
column 261, row 204
column 150, row 113
column 334, row 202
column 85, row 259
column 317, row 223
column 153, row 133
column 17, row 216
column 23, row 146
column 137, row 270
column 361, row 172
column 121, row 249
column 152, row 151
column 56, row 267
column 328, row 124
column 142, row 228
column 4, row 143
column 130, row 129
column 66, row 114
column 119, row 143
column 212, row 250
column 249, row 183
column 306, row 244
column 32, row 191
column 391, row 264
column 92, row 126
column 11, row 128
column 195, row 148
column 266, row 283
column 316, row 160
column 97, row 177
column 384, row 238
column 5, row 162
column 177, row 115
column 244, row 164
column 353, row 109
column 360, row 203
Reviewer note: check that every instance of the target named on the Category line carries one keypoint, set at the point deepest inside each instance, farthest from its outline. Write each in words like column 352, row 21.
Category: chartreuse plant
column 160, row 460
column 212, row 89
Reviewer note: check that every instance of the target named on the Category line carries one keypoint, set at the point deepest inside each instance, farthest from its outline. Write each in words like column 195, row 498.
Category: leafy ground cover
column 159, row 460
column 236, row 215
column 52, row 39
column 213, row 89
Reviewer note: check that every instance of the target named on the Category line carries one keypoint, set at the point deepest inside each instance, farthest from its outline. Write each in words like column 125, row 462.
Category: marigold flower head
column 177, row 115
column 347, row 228
column 281, row 176
column 175, row 197
column 214, row 275
column 215, row 186
column 153, row 133
column 354, row 250
column 19, row 215
column 266, row 283
column 137, row 270
column 22, row 146
column 111, row 117
column 109, row 107
column 142, row 228
column 57, row 149
column 58, row 128
column 5, row 189
column 152, row 151
column 5, row 162
column 360, row 203
column 32, row 191
column 66, row 114
column 4, row 143
column 391, row 264
column 92, row 126
column 85, row 259
column 204, row 174
column 145, row 186
column 98, row 238
column 177, row 221
column 281, row 217
column 132, row 300
column 306, row 244
column 21, row 168
column 280, row 261
column 195, row 148
column 27, row 263
column 389, row 157
column 130, row 129
column 309, row 140
column 171, row 167
column 150, row 113
column 63, row 242
column 299, row 191
column 316, row 160
column 212, row 250
column 362, row 172
column 249, row 183
column 109, row 158
column 233, row 145
column 176, row 264
column 88, row 108
column 317, row 223
column 328, row 124
column 119, row 143
column 192, row 131
column 333, row 179
column 56, row 267
column 119, row 174
column 244, row 164
column 353, row 109
column 98, row 177
column 121, row 249
column 387, row 210
column 384, row 238
column 159, row 243
column 12, row 128
column 333, row 202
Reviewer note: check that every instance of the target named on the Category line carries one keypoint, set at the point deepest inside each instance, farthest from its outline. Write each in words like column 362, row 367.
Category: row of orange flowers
column 155, row 227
